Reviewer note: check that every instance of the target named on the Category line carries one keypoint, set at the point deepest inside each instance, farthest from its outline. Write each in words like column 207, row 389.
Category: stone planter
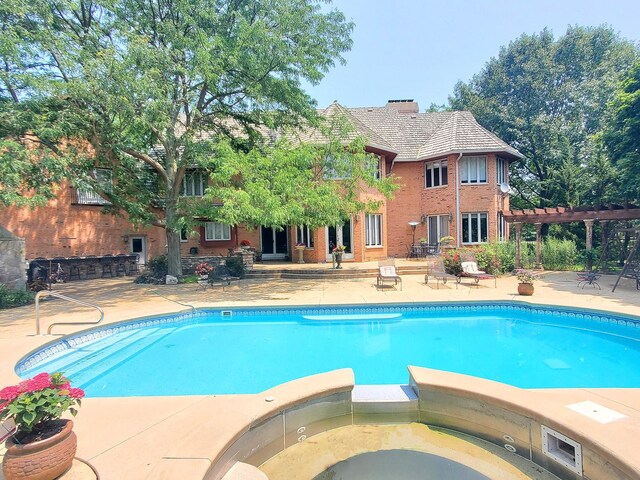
column 525, row 289
column 337, row 258
column 42, row 460
column 300, row 253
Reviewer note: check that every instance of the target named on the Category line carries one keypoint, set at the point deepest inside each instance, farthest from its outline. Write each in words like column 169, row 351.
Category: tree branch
column 149, row 161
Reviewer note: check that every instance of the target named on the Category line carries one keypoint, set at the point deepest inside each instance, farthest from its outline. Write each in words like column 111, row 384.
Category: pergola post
column 518, row 227
column 589, row 225
column 539, row 247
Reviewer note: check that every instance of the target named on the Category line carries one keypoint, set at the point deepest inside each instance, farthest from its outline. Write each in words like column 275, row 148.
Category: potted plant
column 525, row 281
column 337, row 253
column 245, row 244
column 203, row 270
column 300, row 246
column 44, row 444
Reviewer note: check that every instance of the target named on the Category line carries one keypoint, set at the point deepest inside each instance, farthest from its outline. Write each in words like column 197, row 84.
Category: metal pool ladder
column 44, row 293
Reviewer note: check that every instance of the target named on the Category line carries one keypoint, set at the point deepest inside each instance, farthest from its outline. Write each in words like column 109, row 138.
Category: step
column 384, row 403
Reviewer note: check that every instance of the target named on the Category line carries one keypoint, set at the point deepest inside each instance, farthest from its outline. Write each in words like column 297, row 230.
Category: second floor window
column 194, row 183
column 373, row 230
column 473, row 170
column 501, row 170
column 214, row 231
column 436, row 174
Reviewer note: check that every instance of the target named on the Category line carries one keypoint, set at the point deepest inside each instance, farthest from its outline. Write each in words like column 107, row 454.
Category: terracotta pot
column 525, row 289
column 43, row 460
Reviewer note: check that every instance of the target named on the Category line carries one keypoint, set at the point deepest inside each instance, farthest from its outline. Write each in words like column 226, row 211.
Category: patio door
column 274, row 243
column 139, row 245
column 340, row 235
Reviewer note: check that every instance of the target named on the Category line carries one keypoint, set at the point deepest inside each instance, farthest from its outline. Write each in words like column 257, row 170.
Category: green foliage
column 158, row 266
column 39, row 400
column 14, row 298
column 559, row 254
column 234, row 266
column 623, row 136
column 547, row 97
column 153, row 88
column 452, row 262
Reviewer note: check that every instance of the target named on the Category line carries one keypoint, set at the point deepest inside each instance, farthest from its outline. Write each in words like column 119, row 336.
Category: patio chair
column 470, row 269
column 438, row 271
column 387, row 273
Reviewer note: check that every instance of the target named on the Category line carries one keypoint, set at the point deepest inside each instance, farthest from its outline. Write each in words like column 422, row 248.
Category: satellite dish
column 505, row 188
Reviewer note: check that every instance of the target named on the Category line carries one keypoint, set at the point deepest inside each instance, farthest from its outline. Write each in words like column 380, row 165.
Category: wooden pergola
column 586, row 214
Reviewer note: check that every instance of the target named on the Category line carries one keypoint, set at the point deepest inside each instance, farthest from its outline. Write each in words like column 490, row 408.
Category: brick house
column 453, row 175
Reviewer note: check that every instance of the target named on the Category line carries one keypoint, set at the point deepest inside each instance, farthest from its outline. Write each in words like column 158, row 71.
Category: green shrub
column 559, row 254
column 235, row 267
column 14, row 298
column 451, row 261
column 158, row 266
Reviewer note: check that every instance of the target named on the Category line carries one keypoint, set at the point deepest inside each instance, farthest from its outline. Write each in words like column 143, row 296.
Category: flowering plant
column 447, row 240
column 245, row 243
column 38, row 400
column 525, row 276
column 339, row 249
column 203, row 269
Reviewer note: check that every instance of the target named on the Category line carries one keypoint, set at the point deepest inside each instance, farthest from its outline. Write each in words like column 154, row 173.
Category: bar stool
column 121, row 264
column 74, row 268
column 107, row 265
column 91, row 265
column 133, row 264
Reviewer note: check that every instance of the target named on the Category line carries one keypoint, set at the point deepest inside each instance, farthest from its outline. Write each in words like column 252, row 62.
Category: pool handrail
column 43, row 293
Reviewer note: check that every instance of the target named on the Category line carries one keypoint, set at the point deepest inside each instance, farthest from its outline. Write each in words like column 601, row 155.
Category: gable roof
column 421, row 136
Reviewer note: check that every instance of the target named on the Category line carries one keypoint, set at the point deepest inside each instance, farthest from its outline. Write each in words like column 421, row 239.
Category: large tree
column 622, row 136
column 547, row 97
column 158, row 87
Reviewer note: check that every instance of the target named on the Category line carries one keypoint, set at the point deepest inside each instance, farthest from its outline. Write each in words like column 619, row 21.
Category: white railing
column 44, row 293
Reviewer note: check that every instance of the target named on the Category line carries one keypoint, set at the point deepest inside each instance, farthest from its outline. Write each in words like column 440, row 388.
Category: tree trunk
column 174, row 255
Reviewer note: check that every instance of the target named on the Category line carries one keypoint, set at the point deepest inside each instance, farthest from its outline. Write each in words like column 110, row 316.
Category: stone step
column 384, row 403
column 329, row 273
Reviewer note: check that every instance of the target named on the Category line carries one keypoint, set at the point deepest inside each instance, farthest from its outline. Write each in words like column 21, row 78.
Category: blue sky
column 420, row 48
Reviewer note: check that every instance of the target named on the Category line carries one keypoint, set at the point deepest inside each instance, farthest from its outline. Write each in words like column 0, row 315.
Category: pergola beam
column 562, row 215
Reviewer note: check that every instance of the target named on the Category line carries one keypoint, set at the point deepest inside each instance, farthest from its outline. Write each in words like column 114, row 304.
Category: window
column 376, row 166
column 501, row 170
column 194, row 183
column 304, row 235
column 214, row 231
column 436, row 174
column 337, row 168
column 502, row 228
column 184, row 235
column 473, row 170
column 474, row 227
column 373, row 230
column 104, row 179
column 438, row 227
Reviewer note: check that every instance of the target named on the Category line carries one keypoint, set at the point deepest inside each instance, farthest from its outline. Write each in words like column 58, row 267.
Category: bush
column 158, row 266
column 14, row 298
column 235, row 267
column 559, row 254
column 452, row 262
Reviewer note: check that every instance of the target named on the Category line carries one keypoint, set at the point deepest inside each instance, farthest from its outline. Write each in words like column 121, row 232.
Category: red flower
column 39, row 382
column 76, row 393
column 9, row 393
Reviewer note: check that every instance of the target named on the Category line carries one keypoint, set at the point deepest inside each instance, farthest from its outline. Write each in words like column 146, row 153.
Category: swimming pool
column 247, row 350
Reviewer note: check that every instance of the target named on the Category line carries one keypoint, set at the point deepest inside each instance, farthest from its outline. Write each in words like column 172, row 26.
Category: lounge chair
column 387, row 273
column 470, row 269
column 438, row 271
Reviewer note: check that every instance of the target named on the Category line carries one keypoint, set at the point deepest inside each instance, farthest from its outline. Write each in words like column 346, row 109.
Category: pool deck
column 135, row 438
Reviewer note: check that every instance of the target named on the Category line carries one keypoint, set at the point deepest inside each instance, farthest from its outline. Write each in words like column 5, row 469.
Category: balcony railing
column 87, row 197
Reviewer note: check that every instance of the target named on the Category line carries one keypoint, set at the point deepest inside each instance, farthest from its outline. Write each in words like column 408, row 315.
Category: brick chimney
column 404, row 106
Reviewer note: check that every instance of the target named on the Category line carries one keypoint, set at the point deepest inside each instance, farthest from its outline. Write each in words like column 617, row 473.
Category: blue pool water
column 253, row 350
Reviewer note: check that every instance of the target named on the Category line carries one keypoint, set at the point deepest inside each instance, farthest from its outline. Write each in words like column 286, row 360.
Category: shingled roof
column 421, row 136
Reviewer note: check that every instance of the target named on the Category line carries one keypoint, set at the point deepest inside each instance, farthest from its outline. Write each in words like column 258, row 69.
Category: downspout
column 458, row 216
